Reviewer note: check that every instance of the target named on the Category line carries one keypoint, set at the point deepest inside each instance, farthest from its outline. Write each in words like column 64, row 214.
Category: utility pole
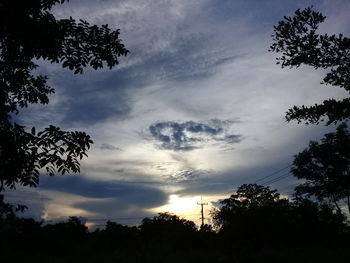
column 202, row 211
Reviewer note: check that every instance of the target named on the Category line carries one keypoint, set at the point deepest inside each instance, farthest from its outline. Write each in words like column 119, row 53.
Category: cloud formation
column 135, row 194
column 99, row 199
column 186, row 136
column 106, row 146
column 185, row 175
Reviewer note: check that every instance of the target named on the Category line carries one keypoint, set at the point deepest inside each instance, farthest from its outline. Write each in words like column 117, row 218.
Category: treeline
column 253, row 225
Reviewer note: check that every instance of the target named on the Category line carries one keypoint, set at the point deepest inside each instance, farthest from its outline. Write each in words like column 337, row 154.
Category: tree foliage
column 271, row 231
column 168, row 231
column 9, row 211
column 29, row 32
column 298, row 42
column 166, row 223
column 256, row 214
column 325, row 167
column 248, row 199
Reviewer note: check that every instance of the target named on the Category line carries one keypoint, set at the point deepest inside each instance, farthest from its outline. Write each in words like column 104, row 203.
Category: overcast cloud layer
column 197, row 108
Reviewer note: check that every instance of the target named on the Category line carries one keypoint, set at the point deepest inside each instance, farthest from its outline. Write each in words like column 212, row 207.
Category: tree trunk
column 336, row 204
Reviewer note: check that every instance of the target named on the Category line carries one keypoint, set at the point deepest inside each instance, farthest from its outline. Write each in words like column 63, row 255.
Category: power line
column 283, row 176
column 276, row 172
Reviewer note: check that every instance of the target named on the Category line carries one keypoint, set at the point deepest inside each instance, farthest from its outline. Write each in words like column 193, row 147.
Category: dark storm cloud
column 130, row 194
column 185, row 136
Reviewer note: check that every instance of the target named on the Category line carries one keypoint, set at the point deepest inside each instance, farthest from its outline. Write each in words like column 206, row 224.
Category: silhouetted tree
column 255, row 218
column 120, row 235
column 64, row 235
column 315, row 220
column 267, row 232
column 325, row 167
column 9, row 211
column 74, row 226
column 167, row 223
column 250, row 195
column 28, row 32
column 167, row 234
column 245, row 210
column 297, row 40
column 206, row 228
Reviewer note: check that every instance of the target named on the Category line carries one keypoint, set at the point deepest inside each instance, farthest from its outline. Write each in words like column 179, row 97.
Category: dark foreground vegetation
column 253, row 225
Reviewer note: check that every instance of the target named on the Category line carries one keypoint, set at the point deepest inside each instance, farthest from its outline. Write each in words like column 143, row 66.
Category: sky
column 195, row 110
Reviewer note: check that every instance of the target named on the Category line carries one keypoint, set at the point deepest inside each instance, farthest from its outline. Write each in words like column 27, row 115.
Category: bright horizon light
column 187, row 207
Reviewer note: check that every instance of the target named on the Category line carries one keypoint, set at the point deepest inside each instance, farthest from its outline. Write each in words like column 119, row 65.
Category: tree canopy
column 265, row 229
column 251, row 195
column 325, row 167
column 256, row 214
column 165, row 223
column 247, row 200
column 29, row 32
column 298, row 42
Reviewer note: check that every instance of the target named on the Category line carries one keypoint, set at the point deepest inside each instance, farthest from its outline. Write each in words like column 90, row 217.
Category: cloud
column 129, row 193
column 170, row 40
column 93, row 199
column 186, row 136
column 185, row 175
column 106, row 146
column 114, row 210
column 32, row 198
